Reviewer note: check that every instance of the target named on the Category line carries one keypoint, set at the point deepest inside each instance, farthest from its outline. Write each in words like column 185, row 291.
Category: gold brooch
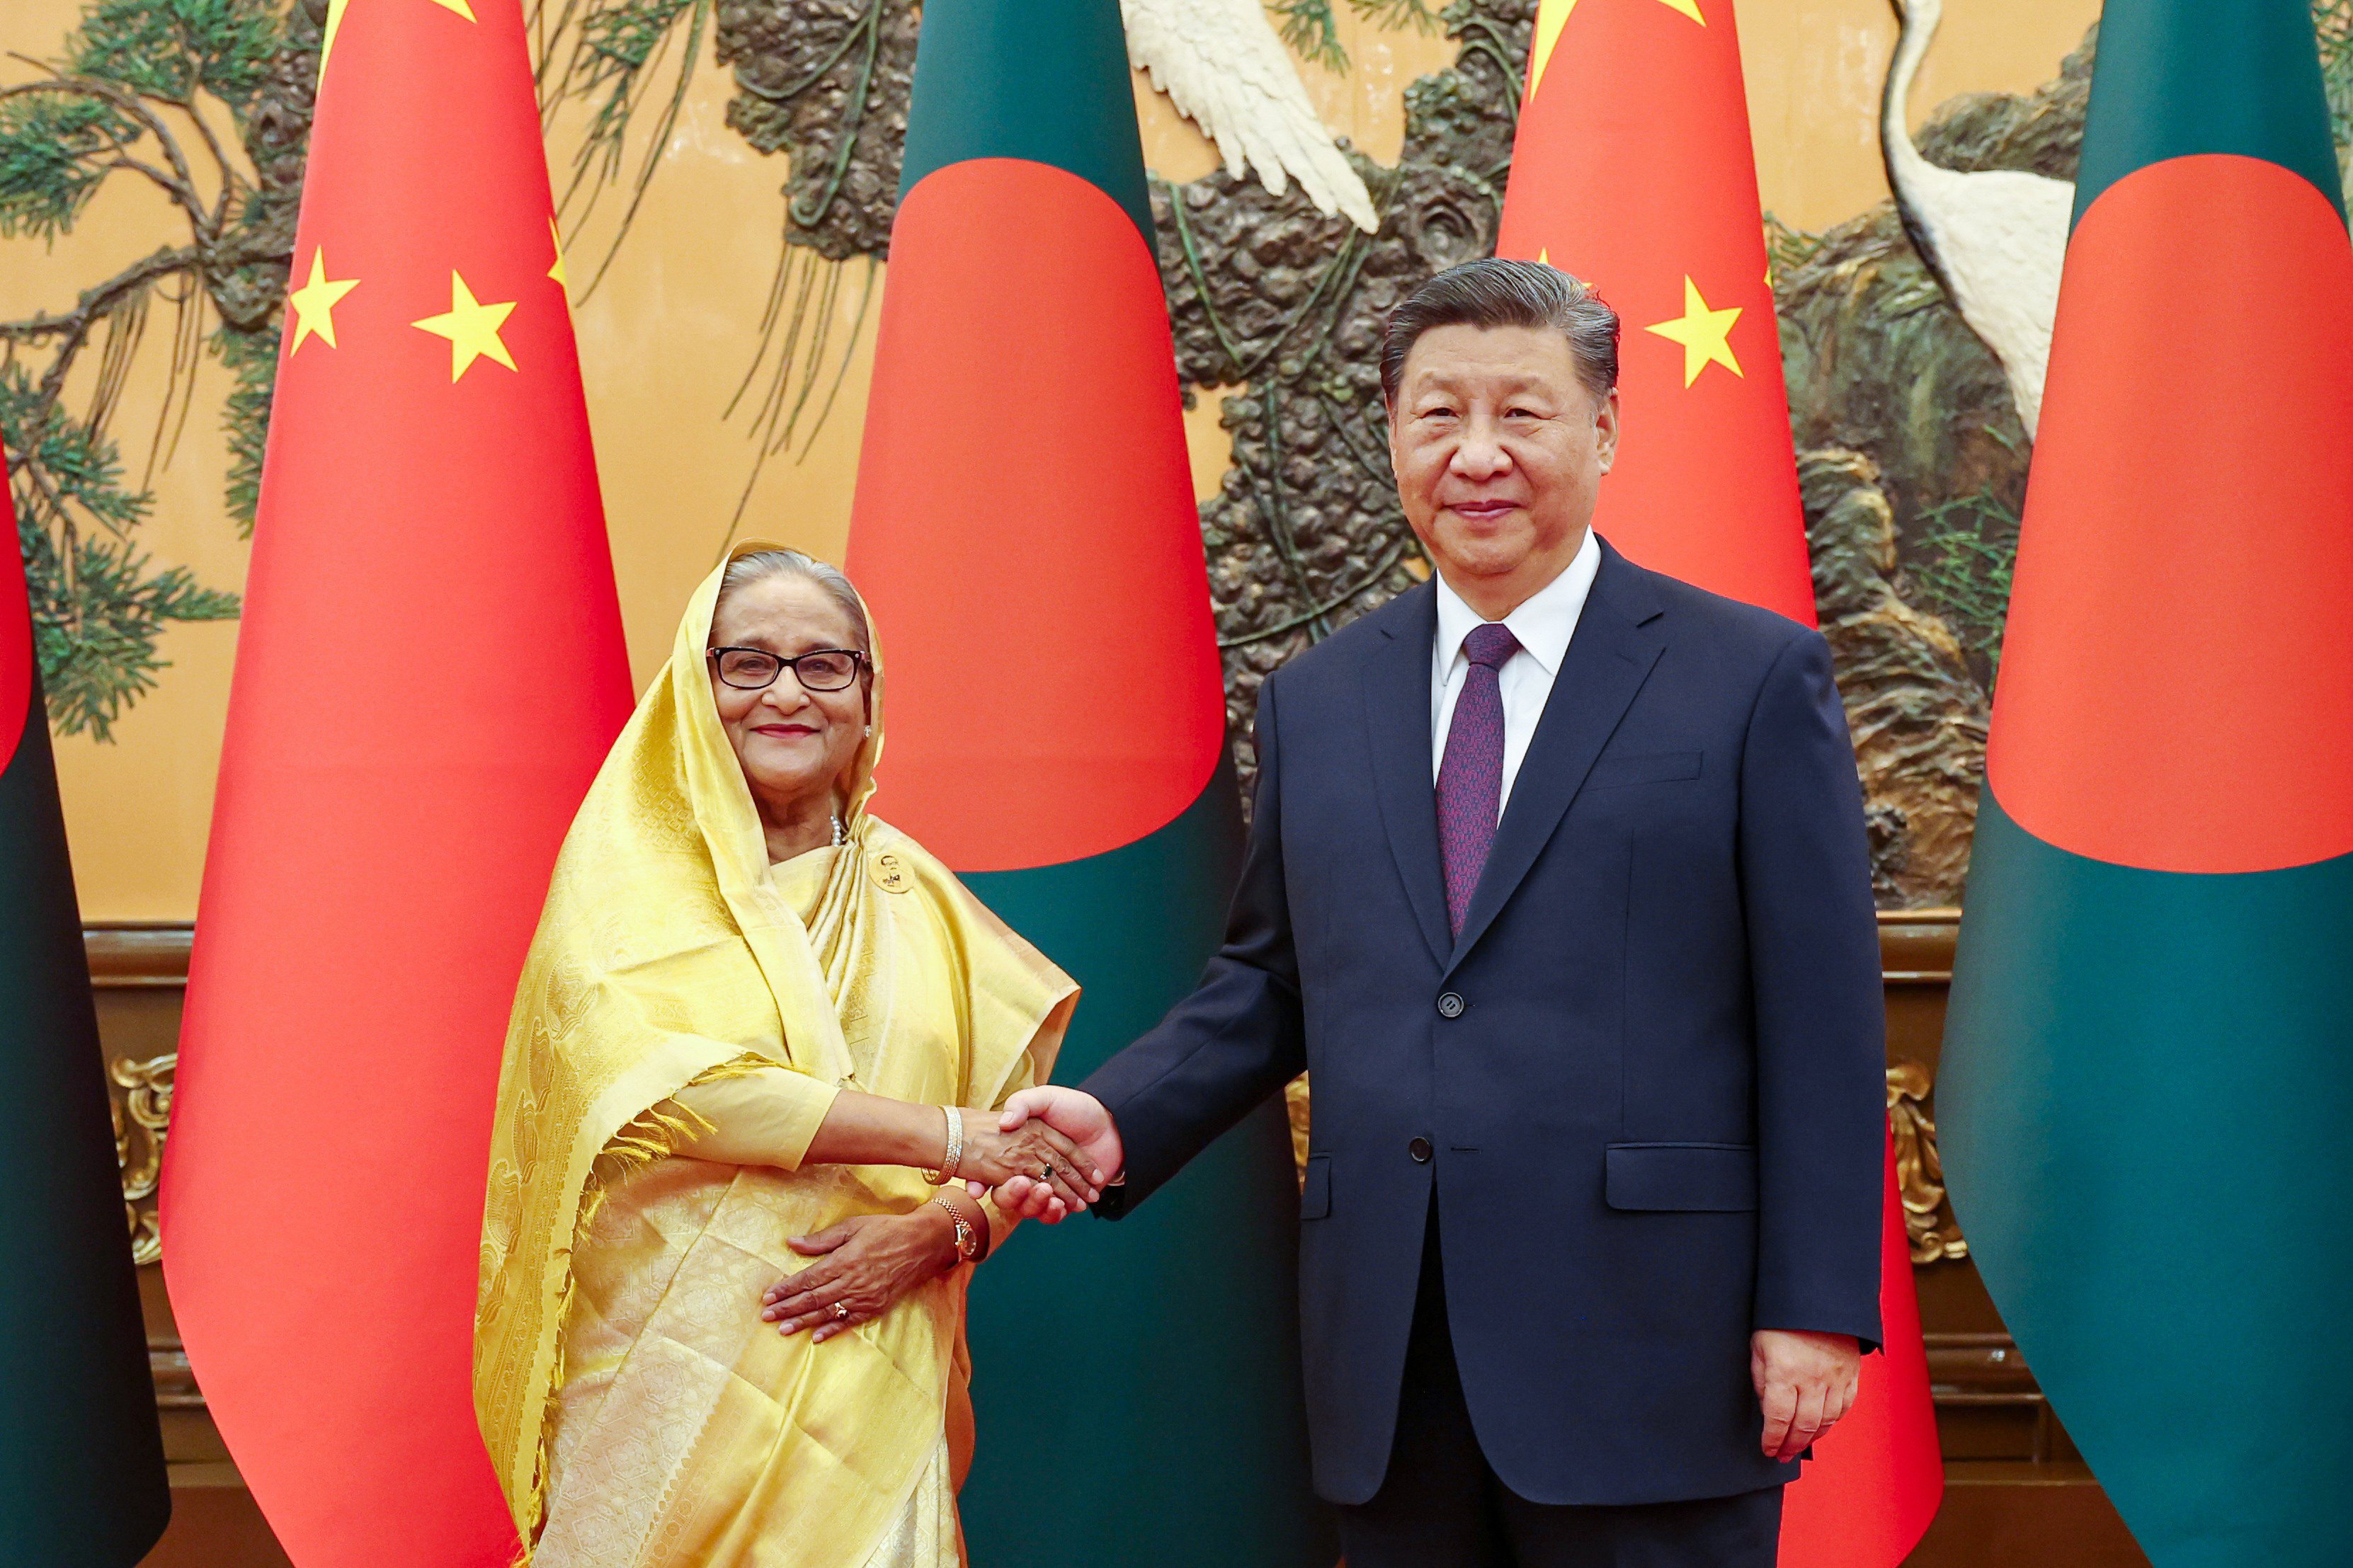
column 891, row 873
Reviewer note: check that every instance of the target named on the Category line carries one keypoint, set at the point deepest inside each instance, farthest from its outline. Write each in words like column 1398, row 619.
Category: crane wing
column 1222, row 66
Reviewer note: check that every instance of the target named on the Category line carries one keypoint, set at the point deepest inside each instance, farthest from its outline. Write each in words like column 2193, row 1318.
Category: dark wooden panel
column 215, row 1524
column 2000, row 1515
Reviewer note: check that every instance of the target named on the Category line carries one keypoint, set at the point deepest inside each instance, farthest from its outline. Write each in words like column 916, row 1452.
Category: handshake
column 1049, row 1155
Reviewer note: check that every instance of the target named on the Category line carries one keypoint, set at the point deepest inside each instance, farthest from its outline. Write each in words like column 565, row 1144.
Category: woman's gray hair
column 757, row 564
column 1496, row 292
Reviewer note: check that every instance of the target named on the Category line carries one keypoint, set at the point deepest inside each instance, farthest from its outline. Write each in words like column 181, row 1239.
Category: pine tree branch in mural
column 826, row 82
column 1312, row 28
column 135, row 93
column 615, row 54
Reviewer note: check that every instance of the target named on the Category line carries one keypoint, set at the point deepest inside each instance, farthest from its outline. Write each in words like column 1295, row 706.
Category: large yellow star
column 1704, row 334
column 556, row 271
column 471, row 327
column 1552, row 15
column 334, row 23
column 314, row 303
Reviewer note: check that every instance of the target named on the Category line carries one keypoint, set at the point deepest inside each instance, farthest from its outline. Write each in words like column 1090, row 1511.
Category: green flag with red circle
column 2148, row 1080
column 1025, row 532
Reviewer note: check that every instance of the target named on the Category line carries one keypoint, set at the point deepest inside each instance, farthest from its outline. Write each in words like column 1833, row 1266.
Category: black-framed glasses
column 819, row 670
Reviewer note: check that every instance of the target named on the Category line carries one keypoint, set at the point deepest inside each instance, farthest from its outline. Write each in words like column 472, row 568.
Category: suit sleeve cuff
column 1863, row 1328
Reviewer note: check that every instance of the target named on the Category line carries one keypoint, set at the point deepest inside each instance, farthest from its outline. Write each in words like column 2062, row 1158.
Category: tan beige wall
column 668, row 337
column 1814, row 70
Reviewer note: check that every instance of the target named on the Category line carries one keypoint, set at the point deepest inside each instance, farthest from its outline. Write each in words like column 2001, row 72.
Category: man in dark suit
column 1557, row 887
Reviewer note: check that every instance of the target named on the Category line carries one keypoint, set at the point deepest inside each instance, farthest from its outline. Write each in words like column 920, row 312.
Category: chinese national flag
column 1633, row 170
column 429, row 672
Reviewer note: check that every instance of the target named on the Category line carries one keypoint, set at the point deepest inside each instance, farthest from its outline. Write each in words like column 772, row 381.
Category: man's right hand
column 1037, row 1150
column 1077, row 1116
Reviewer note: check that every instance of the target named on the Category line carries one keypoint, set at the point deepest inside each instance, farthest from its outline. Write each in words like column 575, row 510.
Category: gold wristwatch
column 968, row 1240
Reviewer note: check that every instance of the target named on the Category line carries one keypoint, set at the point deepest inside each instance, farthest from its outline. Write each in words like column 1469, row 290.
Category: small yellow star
column 556, row 271
column 314, row 303
column 471, row 327
column 334, row 23
column 1552, row 15
column 1704, row 334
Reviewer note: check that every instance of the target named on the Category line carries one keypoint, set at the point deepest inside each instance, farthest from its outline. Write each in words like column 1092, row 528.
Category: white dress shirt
column 1544, row 626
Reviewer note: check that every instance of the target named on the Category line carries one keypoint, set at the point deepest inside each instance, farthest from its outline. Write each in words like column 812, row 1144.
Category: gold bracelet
column 967, row 1243
column 952, row 1159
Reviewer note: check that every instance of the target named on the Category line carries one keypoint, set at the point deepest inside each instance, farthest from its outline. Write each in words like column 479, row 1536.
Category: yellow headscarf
column 664, row 955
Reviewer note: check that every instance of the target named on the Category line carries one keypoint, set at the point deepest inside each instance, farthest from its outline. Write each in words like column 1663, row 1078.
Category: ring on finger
column 841, row 1311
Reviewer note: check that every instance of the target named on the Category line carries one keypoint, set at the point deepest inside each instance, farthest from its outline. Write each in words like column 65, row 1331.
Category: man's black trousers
column 1440, row 1506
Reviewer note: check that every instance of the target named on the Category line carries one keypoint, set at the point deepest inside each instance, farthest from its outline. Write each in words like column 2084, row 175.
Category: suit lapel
column 1397, row 717
column 1609, row 658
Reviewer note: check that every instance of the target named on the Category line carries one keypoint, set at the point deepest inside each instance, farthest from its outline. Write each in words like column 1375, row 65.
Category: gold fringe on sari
column 667, row 956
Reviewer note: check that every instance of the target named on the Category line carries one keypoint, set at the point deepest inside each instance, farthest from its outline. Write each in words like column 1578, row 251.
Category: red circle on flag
column 1024, row 528
column 16, row 635
column 2176, row 689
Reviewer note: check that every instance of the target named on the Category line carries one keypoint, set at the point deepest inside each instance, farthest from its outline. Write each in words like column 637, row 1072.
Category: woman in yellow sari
column 728, row 1231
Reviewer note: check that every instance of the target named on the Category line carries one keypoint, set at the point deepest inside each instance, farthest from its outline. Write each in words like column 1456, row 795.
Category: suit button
column 1449, row 1005
column 1419, row 1149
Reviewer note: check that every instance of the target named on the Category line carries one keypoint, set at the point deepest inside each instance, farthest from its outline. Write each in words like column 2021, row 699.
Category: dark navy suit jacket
column 1644, row 1087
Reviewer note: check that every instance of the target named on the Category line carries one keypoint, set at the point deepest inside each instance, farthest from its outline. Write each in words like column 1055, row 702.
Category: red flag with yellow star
column 1633, row 169
column 429, row 672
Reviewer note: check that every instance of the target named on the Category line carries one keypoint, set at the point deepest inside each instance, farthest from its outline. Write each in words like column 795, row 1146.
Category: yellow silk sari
column 637, row 1411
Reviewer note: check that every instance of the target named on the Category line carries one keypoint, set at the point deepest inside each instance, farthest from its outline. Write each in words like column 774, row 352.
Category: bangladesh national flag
column 80, row 1448
column 2147, row 1093
column 1633, row 169
column 1025, row 530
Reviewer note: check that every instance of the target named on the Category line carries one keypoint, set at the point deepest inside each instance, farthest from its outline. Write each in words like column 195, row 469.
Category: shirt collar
column 1544, row 624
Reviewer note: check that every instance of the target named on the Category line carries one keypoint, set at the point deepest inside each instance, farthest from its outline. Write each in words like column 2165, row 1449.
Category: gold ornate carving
column 1919, row 1169
column 141, row 1117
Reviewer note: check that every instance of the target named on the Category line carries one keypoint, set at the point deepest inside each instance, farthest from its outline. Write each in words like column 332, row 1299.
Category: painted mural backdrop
column 1913, row 334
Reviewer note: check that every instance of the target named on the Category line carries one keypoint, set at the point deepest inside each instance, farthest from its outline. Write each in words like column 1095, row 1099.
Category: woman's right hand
column 1035, row 1151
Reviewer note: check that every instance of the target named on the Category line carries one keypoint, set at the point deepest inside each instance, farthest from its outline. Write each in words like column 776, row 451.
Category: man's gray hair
column 1494, row 292
column 757, row 564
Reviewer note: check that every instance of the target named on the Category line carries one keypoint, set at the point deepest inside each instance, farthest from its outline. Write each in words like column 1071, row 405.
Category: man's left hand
column 1805, row 1381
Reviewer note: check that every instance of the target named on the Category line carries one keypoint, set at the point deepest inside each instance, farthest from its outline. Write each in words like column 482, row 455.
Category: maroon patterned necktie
column 1470, row 775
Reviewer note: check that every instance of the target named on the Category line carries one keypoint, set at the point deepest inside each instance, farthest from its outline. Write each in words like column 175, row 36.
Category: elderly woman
column 729, row 1229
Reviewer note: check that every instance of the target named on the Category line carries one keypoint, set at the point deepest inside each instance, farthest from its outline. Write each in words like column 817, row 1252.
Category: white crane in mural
column 1994, row 237
column 1221, row 63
